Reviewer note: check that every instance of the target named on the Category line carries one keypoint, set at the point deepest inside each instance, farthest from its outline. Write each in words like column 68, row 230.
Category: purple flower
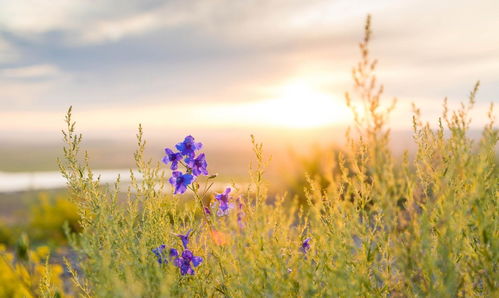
column 240, row 213
column 186, row 261
column 173, row 157
column 184, row 238
column 173, row 253
column 223, row 200
column 305, row 246
column 197, row 165
column 180, row 181
column 160, row 253
column 188, row 147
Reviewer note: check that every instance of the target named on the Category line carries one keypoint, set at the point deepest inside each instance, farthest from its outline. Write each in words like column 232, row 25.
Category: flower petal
column 187, row 179
column 196, row 261
column 173, row 253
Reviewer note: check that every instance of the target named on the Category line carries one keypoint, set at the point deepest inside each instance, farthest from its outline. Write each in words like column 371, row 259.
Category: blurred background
column 220, row 71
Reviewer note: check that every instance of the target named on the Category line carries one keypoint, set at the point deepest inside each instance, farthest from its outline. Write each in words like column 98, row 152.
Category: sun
column 295, row 104
column 299, row 105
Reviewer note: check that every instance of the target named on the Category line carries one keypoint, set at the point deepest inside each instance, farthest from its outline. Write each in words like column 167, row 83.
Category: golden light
column 300, row 105
column 295, row 104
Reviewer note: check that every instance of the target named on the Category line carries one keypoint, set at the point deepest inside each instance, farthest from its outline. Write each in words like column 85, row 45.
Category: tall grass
column 426, row 226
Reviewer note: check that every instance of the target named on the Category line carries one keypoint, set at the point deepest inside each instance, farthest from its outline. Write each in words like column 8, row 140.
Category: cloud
column 33, row 17
column 82, row 22
column 106, row 54
column 8, row 53
column 41, row 71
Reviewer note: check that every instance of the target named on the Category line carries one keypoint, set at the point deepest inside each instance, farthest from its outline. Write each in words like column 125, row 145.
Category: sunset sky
column 209, row 64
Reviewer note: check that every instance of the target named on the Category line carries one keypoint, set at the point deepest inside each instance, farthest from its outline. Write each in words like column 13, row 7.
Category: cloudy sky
column 228, row 63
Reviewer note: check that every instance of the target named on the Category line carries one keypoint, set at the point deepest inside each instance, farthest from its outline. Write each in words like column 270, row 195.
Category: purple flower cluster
column 161, row 254
column 224, row 206
column 184, row 261
column 194, row 166
column 305, row 246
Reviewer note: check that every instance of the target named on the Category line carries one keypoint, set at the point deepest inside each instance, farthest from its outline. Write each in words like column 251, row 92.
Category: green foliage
column 49, row 215
column 378, row 227
column 44, row 222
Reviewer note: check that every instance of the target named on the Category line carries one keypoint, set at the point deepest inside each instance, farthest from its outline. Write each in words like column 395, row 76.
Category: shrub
column 426, row 227
column 49, row 215
column 29, row 275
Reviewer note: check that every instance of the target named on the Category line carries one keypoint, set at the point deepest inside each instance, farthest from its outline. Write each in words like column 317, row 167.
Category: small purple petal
column 185, row 238
column 178, row 262
column 173, row 253
column 197, row 261
column 188, row 147
column 305, row 246
column 187, row 179
column 187, row 255
column 158, row 251
column 180, row 189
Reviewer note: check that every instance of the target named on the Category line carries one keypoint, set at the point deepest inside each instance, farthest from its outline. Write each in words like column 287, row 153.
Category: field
column 356, row 220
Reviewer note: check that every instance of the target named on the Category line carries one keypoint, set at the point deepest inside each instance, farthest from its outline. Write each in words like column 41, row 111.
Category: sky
column 188, row 65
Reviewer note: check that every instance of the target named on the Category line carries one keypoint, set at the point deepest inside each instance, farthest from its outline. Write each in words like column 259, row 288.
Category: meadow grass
column 369, row 225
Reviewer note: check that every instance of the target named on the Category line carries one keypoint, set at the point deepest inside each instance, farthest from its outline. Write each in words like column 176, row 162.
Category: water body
column 29, row 181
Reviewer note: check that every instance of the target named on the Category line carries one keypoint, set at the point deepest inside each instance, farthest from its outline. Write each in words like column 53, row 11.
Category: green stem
column 200, row 200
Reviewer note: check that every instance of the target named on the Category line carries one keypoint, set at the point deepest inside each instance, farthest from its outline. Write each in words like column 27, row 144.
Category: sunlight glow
column 293, row 105
column 300, row 106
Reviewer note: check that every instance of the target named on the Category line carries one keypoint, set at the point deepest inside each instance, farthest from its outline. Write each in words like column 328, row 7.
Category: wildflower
column 185, row 261
column 240, row 213
column 184, row 238
column 180, row 181
column 188, row 147
column 224, row 205
column 173, row 157
column 159, row 252
column 207, row 210
column 197, row 165
column 305, row 246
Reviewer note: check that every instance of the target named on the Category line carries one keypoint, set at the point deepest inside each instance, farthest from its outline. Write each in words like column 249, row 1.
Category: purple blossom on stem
column 186, row 261
column 184, row 238
column 180, row 181
column 223, row 199
column 305, row 246
column 173, row 157
column 160, row 253
column 197, row 165
column 188, row 146
column 240, row 213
